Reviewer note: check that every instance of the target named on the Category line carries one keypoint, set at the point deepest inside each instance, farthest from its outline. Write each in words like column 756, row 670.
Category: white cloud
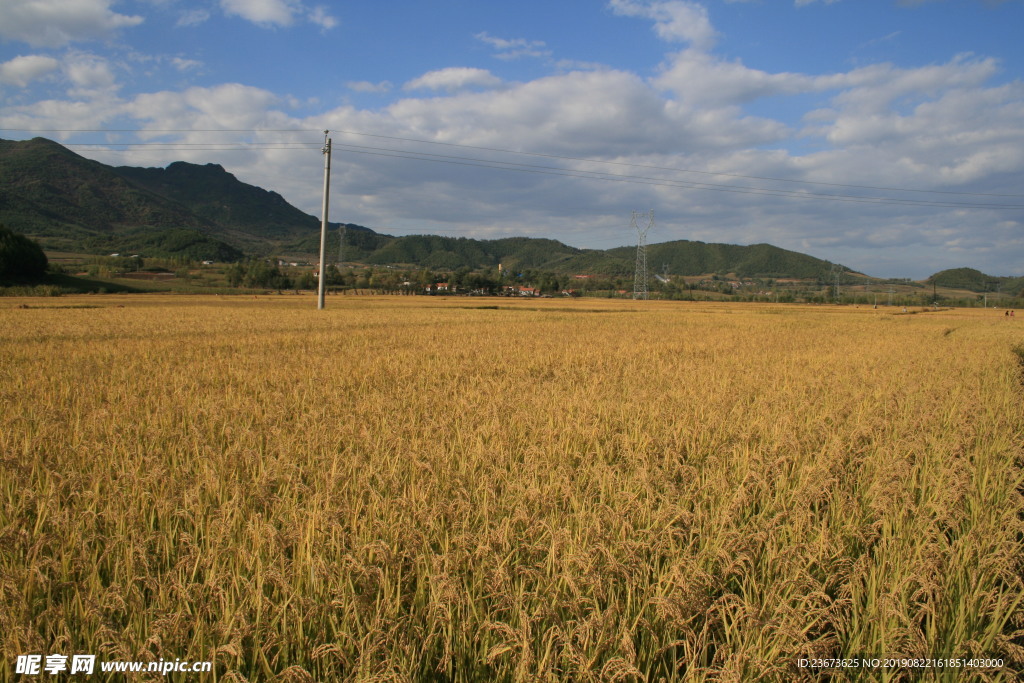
column 90, row 76
column 878, row 88
column 699, row 77
column 319, row 16
column 674, row 20
column 515, row 48
column 368, row 87
column 570, row 111
column 454, row 78
column 182, row 64
column 230, row 106
column 49, row 114
column 52, row 23
column 264, row 12
column 22, row 70
column 193, row 17
column 277, row 12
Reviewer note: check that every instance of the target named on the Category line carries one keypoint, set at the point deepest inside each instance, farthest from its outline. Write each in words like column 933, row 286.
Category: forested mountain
column 71, row 203
column 50, row 192
column 213, row 194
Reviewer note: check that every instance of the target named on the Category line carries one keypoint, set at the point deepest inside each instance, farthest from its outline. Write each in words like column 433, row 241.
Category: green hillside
column 976, row 281
column 360, row 242
column 71, row 203
column 684, row 257
column 215, row 195
column 51, row 193
column 966, row 278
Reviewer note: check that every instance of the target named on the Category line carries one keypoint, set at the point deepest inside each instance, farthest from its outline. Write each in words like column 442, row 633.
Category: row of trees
column 263, row 274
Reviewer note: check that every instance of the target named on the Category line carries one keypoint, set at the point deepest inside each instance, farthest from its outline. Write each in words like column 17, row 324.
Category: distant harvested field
column 419, row 488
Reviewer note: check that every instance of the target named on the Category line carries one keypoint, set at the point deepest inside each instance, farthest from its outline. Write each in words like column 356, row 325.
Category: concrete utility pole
column 323, row 222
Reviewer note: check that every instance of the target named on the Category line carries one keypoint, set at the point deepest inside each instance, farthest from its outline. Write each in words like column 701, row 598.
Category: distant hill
column 977, row 281
column 684, row 257
column 219, row 198
column 49, row 191
column 70, row 203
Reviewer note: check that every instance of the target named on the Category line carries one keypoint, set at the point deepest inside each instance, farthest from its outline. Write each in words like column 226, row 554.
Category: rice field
column 412, row 488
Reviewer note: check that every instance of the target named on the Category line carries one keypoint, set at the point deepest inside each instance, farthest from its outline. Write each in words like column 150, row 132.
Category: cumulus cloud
column 230, row 106
column 674, row 20
column 265, row 12
column 572, row 111
column 90, row 76
column 699, row 77
column 53, row 23
column 454, row 78
column 22, row 70
column 277, row 12
column 876, row 88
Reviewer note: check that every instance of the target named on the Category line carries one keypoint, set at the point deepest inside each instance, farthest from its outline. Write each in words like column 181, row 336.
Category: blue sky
column 886, row 135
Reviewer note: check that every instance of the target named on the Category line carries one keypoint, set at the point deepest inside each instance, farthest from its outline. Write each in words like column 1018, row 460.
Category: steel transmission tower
column 836, row 271
column 642, row 222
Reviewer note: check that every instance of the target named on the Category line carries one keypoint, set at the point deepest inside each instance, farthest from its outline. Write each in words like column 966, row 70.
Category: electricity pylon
column 836, row 271
column 640, row 277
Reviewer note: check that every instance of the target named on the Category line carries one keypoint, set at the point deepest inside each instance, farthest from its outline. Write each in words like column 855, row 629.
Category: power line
column 204, row 147
column 660, row 182
column 189, row 145
column 553, row 170
column 676, row 169
column 502, row 151
column 159, row 130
